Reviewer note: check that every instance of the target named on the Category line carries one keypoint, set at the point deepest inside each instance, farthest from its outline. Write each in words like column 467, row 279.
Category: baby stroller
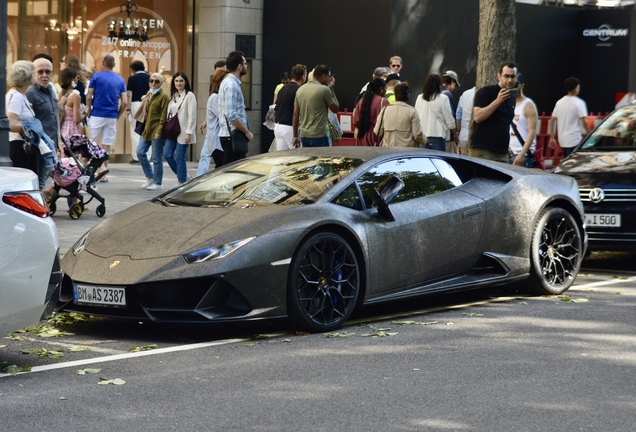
column 77, row 172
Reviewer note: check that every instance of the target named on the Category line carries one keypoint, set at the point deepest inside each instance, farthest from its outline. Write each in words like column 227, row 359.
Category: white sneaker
column 147, row 183
column 188, row 178
column 155, row 186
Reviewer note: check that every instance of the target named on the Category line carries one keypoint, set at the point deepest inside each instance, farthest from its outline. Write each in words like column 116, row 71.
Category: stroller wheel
column 75, row 211
column 52, row 208
column 100, row 211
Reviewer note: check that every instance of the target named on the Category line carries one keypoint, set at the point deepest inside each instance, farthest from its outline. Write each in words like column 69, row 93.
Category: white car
column 30, row 272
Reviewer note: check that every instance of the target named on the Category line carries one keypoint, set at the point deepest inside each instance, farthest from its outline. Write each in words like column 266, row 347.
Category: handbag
column 139, row 127
column 240, row 143
column 335, row 135
column 536, row 158
column 270, row 118
column 171, row 127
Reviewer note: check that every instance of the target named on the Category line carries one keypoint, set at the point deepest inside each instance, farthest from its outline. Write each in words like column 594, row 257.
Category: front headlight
column 80, row 245
column 216, row 252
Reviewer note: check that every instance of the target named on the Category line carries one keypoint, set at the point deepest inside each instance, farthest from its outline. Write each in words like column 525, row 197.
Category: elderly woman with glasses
column 156, row 106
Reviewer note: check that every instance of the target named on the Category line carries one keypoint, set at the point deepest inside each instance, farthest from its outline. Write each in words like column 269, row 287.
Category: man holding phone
column 493, row 112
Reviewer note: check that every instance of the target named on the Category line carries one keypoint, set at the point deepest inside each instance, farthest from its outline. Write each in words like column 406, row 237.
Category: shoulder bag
column 240, row 143
column 171, row 127
column 536, row 158
column 140, row 115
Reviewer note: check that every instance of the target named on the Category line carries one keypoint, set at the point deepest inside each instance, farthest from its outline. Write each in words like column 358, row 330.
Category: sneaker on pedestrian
column 155, row 186
column 134, row 162
column 188, row 178
column 147, row 183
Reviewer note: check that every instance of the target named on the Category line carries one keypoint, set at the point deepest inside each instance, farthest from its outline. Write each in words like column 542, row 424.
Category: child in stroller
column 76, row 172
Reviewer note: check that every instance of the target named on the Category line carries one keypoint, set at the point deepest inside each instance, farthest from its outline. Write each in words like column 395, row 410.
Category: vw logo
column 114, row 264
column 597, row 195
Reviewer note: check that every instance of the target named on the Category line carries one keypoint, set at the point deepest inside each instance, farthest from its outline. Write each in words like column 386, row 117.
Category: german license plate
column 97, row 295
column 603, row 220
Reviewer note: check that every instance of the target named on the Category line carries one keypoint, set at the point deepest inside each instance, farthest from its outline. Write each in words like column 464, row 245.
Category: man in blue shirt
column 106, row 102
column 232, row 106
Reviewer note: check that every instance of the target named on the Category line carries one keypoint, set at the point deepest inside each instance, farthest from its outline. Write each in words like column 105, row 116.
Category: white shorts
column 106, row 127
column 284, row 135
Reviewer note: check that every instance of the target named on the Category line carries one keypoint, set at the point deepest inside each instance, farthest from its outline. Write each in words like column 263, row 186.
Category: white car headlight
column 80, row 245
column 215, row 252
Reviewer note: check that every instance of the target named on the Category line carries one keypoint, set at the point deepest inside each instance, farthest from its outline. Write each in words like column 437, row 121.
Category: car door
column 436, row 229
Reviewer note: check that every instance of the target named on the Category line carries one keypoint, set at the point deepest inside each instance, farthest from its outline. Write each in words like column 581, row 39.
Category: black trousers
column 22, row 158
column 217, row 157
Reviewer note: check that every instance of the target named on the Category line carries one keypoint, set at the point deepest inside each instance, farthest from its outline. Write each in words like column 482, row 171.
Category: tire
column 555, row 253
column 75, row 211
column 100, row 211
column 323, row 284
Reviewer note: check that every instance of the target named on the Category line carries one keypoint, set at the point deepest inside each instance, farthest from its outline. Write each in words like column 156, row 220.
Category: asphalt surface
column 485, row 360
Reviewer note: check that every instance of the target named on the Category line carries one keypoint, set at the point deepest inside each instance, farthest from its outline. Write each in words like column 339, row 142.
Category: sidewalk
column 122, row 191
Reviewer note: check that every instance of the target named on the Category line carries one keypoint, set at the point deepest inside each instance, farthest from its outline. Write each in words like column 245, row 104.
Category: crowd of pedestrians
column 163, row 126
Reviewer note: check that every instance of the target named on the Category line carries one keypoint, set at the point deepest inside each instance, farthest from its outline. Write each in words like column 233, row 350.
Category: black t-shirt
column 139, row 85
column 493, row 133
column 285, row 103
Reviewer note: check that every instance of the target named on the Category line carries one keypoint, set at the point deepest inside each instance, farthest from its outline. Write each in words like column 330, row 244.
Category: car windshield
column 617, row 132
column 280, row 179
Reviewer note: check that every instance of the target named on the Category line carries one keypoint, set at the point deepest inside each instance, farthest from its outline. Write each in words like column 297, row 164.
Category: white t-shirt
column 465, row 109
column 17, row 103
column 568, row 112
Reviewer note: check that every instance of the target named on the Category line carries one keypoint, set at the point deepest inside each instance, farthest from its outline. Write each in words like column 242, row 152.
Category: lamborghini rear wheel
column 324, row 283
column 556, row 252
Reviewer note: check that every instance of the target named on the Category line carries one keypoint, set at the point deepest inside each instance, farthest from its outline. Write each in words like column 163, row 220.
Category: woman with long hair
column 398, row 124
column 436, row 116
column 212, row 144
column 367, row 111
column 156, row 106
column 72, row 62
column 183, row 104
column 71, row 110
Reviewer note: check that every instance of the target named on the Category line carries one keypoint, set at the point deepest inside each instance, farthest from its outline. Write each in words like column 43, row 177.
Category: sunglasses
column 510, row 77
column 154, row 81
column 396, row 65
column 45, row 72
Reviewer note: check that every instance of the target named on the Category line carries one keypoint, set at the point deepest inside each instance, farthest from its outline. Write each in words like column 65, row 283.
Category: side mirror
column 385, row 193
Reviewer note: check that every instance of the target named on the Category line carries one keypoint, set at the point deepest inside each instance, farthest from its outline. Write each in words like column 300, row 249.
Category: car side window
column 349, row 198
column 420, row 175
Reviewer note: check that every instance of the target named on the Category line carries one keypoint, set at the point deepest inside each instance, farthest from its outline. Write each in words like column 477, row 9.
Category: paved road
column 488, row 360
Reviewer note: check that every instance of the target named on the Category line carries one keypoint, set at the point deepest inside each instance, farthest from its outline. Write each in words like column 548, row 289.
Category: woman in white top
column 212, row 144
column 20, row 77
column 434, row 110
column 183, row 104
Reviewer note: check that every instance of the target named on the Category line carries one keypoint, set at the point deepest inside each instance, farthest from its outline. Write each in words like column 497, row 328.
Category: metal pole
column 4, row 121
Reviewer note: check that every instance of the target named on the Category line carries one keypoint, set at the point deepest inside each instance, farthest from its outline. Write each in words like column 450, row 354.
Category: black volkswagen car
column 604, row 166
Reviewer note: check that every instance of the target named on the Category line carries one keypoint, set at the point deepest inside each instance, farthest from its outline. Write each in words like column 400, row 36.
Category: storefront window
column 153, row 31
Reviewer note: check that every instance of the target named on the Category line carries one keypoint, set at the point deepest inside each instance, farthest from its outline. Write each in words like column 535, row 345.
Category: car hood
column 593, row 162
column 149, row 230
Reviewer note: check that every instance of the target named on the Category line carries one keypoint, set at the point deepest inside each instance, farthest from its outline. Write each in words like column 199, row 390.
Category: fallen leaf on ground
column 81, row 348
column 339, row 335
column 88, row 371
column 143, row 348
column 472, row 314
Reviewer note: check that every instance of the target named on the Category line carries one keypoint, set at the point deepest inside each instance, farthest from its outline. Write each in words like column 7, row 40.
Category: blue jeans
column 204, row 159
column 178, row 163
column 315, row 142
column 526, row 161
column 157, row 158
column 437, row 143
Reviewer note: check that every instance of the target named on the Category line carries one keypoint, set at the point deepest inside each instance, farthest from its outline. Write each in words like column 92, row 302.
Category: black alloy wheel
column 324, row 283
column 556, row 252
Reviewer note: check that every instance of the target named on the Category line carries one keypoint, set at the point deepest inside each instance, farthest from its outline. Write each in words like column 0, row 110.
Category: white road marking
column 602, row 283
column 127, row 356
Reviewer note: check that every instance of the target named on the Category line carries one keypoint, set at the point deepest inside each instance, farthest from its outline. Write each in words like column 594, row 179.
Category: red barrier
column 552, row 157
